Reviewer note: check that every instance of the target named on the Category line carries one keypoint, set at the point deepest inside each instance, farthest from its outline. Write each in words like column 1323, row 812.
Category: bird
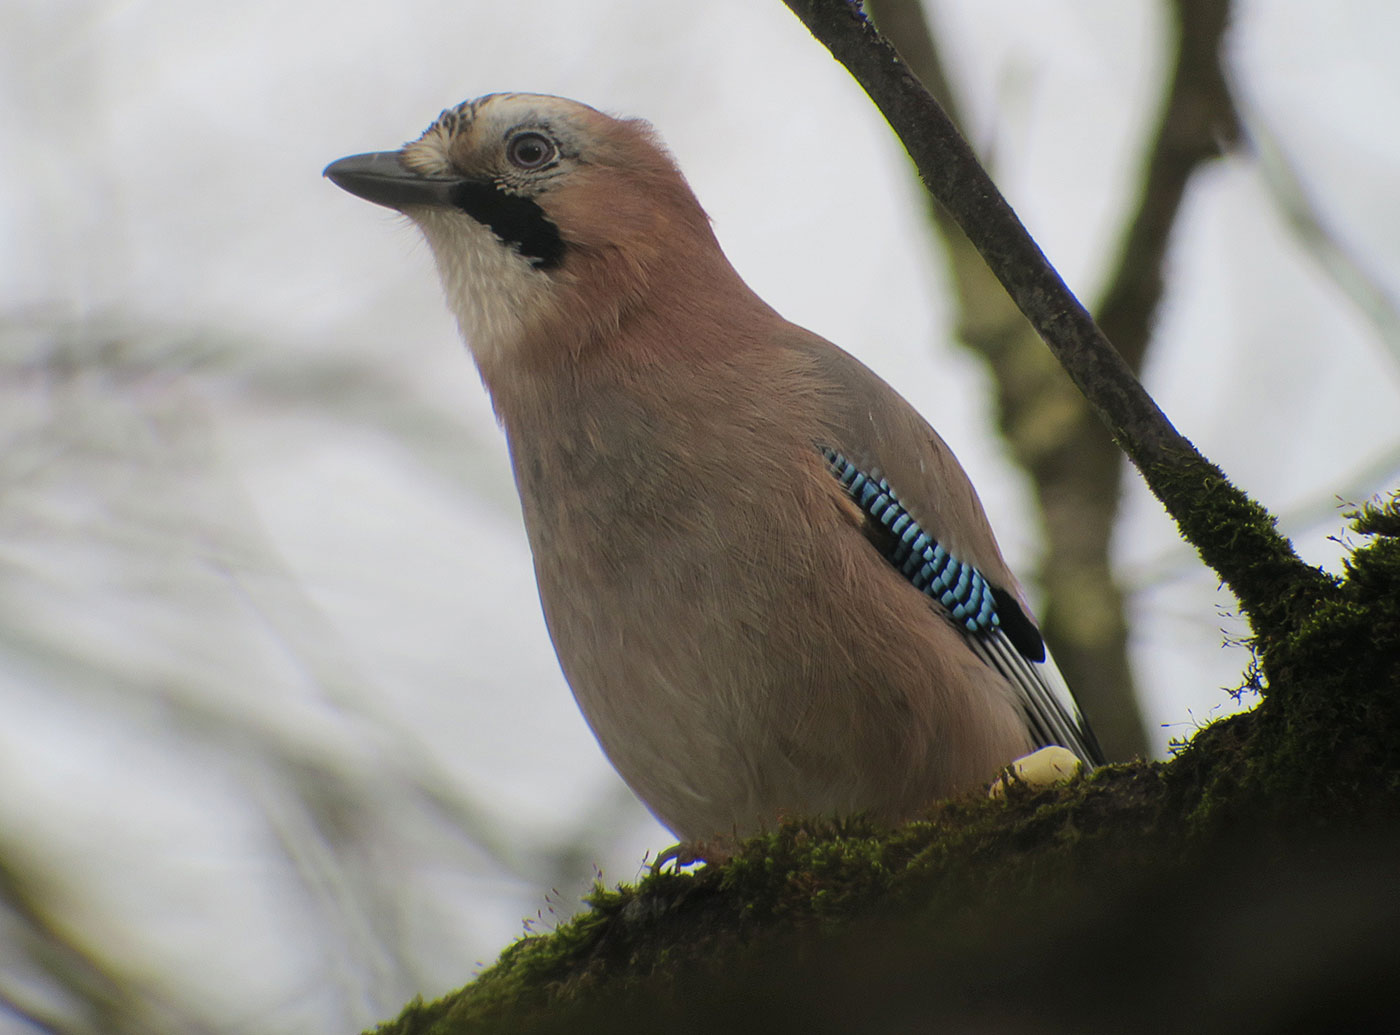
column 769, row 583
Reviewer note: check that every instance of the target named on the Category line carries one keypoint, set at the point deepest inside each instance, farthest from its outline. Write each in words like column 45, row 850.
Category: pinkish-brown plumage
column 727, row 614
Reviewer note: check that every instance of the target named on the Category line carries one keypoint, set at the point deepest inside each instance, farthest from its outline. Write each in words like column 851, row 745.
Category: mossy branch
column 1075, row 904
column 1235, row 535
column 1079, row 907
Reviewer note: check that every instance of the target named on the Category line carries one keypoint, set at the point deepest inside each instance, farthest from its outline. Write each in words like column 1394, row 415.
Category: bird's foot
column 689, row 853
column 1043, row 768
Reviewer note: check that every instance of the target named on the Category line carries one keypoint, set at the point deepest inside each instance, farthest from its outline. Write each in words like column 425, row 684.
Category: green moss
column 808, row 877
column 1329, row 730
column 811, row 903
column 1239, row 540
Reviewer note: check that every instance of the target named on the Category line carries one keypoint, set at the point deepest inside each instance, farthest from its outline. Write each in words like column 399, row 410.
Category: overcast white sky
column 263, row 636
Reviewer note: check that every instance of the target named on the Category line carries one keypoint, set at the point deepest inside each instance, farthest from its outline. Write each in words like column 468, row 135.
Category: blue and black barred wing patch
column 968, row 597
column 998, row 630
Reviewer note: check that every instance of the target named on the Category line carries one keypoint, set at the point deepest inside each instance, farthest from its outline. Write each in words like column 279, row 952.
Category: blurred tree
column 138, row 582
column 1073, row 465
column 1029, row 914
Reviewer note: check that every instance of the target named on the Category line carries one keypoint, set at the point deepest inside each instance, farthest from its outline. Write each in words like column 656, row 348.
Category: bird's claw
column 1043, row 768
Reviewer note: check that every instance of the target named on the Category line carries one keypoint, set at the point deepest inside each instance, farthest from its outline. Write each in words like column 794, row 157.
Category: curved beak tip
column 382, row 178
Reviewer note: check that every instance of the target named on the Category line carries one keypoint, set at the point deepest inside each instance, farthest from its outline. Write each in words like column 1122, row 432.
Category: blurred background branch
column 111, row 451
column 1363, row 287
column 282, row 740
column 1074, row 466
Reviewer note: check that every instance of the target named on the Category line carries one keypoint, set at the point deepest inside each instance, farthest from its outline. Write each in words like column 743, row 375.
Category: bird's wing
column 923, row 515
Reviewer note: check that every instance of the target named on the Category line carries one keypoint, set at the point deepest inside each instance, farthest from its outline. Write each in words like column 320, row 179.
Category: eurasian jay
column 770, row 585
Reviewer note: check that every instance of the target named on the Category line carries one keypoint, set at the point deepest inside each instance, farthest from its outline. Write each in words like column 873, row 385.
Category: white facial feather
column 495, row 292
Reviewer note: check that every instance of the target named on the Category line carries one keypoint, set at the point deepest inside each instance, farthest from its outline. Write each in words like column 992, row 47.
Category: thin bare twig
column 1337, row 261
column 1234, row 534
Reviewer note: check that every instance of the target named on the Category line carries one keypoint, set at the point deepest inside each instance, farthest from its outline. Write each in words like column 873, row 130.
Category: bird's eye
column 530, row 150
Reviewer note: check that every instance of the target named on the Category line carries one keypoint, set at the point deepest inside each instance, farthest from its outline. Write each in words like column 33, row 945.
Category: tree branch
column 1234, row 534
column 1286, row 187
column 1199, row 121
column 1071, row 462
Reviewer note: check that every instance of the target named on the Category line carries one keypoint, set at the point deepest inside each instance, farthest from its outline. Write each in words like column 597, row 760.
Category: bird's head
column 549, row 221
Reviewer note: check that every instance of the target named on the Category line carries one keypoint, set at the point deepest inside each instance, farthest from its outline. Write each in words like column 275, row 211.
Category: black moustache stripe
column 516, row 220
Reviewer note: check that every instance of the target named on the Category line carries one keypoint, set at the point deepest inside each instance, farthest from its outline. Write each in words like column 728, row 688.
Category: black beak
column 381, row 177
